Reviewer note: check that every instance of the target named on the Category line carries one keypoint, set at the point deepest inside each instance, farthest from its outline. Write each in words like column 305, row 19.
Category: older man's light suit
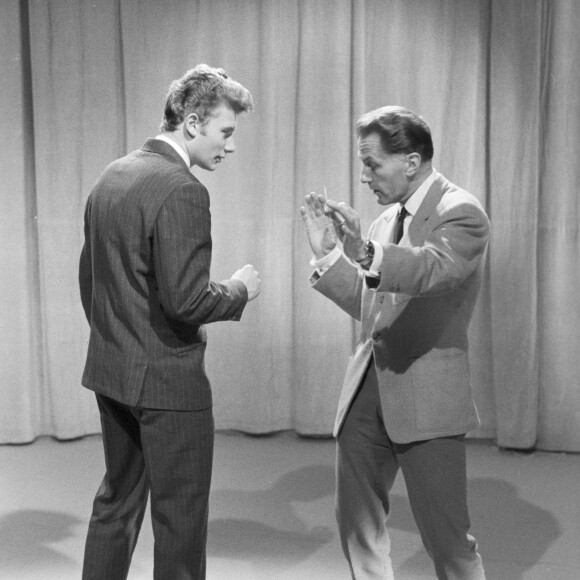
column 414, row 324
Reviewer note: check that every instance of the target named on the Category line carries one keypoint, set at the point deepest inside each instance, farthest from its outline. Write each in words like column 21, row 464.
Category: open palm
column 319, row 227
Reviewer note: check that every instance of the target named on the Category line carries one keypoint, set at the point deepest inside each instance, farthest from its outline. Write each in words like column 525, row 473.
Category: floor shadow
column 508, row 528
column 26, row 537
column 249, row 540
column 264, row 525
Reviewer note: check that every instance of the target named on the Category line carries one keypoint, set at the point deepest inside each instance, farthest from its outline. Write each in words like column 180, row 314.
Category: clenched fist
column 251, row 278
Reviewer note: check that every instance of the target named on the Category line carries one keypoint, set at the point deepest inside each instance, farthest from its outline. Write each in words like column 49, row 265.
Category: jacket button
column 376, row 336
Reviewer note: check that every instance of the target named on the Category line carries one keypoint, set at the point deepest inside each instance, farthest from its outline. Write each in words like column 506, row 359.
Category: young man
column 406, row 401
column 146, row 291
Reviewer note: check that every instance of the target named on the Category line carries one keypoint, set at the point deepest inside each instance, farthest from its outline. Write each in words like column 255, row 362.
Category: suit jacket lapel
column 383, row 231
column 426, row 209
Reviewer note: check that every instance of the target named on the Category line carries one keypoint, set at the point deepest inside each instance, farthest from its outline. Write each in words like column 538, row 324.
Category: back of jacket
column 145, row 286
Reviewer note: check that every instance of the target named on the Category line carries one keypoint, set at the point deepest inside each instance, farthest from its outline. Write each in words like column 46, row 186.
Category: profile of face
column 386, row 174
column 210, row 141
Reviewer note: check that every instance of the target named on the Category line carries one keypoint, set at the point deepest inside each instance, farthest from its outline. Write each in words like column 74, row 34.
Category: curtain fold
column 498, row 83
column 559, row 231
column 514, row 171
column 21, row 395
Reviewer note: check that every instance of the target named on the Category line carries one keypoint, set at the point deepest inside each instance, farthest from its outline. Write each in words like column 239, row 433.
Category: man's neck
column 176, row 139
column 420, row 178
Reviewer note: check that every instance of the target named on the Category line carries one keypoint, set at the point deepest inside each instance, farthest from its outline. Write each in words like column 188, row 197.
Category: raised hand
column 347, row 222
column 320, row 226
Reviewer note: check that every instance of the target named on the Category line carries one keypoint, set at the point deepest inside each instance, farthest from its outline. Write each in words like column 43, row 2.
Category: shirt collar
column 413, row 203
column 183, row 154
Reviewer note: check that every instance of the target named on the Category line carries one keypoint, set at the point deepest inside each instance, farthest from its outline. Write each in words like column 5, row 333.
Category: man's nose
column 230, row 145
column 364, row 176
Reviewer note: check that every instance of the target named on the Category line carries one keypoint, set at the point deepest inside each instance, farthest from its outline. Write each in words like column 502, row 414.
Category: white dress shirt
column 184, row 155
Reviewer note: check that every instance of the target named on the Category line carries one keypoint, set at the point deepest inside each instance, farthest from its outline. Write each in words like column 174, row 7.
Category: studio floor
column 272, row 515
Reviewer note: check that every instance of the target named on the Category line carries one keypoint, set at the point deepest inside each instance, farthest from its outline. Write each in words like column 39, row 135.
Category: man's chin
column 379, row 198
column 208, row 167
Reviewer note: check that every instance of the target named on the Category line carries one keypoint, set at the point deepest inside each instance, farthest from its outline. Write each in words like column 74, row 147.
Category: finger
column 336, row 218
column 314, row 204
column 339, row 209
column 311, row 218
column 332, row 204
column 309, row 213
column 331, row 212
column 349, row 214
column 339, row 224
column 346, row 230
column 309, row 207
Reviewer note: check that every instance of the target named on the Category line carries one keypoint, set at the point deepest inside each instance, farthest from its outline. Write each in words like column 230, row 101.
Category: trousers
column 167, row 455
column 435, row 476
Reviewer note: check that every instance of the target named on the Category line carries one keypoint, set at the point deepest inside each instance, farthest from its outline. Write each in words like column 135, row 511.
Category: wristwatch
column 367, row 261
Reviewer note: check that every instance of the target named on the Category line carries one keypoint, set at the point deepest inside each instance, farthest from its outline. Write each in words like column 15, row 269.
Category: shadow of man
column 266, row 526
column 513, row 534
column 26, row 537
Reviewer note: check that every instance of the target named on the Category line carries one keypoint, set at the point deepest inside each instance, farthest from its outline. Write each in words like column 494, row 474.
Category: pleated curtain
column 499, row 83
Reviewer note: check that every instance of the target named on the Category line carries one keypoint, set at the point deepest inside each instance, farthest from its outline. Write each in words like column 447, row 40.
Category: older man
column 406, row 401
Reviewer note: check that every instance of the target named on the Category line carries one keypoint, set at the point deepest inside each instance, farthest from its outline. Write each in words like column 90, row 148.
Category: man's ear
column 413, row 163
column 192, row 124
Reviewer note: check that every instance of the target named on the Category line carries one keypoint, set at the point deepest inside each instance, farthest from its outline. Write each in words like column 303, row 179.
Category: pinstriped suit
column 146, row 292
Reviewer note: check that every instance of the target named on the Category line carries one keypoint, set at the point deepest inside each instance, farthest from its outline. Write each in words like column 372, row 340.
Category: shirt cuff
column 325, row 262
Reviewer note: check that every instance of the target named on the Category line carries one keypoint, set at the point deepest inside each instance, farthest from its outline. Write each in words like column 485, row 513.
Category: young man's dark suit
column 146, row 292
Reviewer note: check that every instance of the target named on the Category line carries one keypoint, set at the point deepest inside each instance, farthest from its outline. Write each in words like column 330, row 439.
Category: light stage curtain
column 84, row 83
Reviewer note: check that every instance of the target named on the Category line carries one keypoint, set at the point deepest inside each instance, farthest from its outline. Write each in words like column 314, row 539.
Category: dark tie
column 403, row 213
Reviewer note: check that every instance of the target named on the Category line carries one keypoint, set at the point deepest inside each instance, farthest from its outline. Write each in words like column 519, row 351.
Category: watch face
column 370, row 249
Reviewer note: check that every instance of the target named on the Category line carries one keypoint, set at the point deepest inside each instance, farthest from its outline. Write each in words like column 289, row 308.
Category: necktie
column 403, row 213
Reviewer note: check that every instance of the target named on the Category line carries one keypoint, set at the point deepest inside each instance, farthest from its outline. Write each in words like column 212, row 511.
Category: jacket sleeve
column 452, row 252
column 182, row 247
column 85, row 268
column 342, row 283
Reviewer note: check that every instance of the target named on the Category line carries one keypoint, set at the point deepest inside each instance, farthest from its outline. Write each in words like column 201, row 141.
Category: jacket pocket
column 442, row 392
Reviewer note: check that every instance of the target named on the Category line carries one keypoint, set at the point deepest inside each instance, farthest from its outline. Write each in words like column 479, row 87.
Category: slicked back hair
column 201, row 90
column 400, row 131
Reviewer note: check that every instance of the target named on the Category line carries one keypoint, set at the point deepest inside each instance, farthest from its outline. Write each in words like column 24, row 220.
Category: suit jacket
column 414, row 324
column 144, row 281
